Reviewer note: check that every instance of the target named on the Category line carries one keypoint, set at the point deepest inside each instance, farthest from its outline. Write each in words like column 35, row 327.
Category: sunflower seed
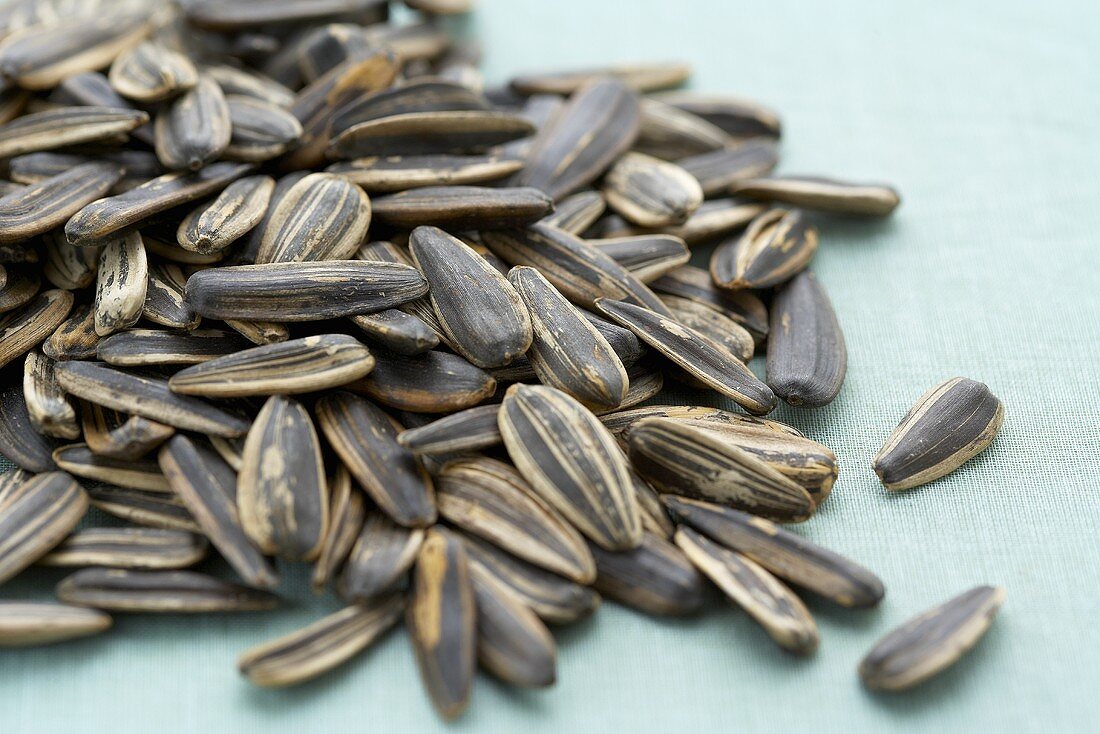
column 215, row 226
column 145, row 347
column 26, row 328
column 165, row 303
column 152, row 72
column 159, row 591
column 642, row 77
column 41, row 513
column 365, row 440
column 429, row 133
column 512, row 642
column 346, row 512
column 654, row 518
column 325, row 48
column 12, row 103
column 207, row 486
column 441, row 7
column 645, row 382
column 322, row 217
column 822, row 194
column 121, row 284
column 321, row 646
column 11, row 483
column 259, row 129
column 119, row 436
column 655, row 578
column 718, row 170
column 16, row 253
column 49, row 409
column 463, row 207
column 467, row 430
column 398, row 331
column 693, row 283
column 65, row 126
column 391, row 173
column 20, row 286
column 679, row 457
column 931, row 642
column 128, row 548
column 714, row 218
column 259, row 332
column 774, row 607
column 75, row 337
column 238, row 15
column 433, row 382
column 382, row 554
column 577, row 212
column 78, row 459
column 138, row 166
column 67, row 267
column 23, row 624
column 194, row 129
column 713, row 324
column 417, row 96
column 40, row 207
column 20, row 442
column 302, row 291
column 670, row 133
column 740, row 118
column 248, row 82
column 951, row 423
column 648, row 257
column 147, row 397
column 778, row 245
column 151, row 509
column 651, row 192
column 785, row 554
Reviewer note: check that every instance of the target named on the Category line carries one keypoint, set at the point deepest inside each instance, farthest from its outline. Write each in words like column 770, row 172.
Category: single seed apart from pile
column 26, row 624
column 37, row 516
column 147, row 548
column 824, row 194
column 172, row 592
column 807, row 356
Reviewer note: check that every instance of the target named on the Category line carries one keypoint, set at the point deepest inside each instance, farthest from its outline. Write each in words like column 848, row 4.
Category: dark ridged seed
column 302, row 291
column 282, row 492
column 650, row 192
column 65, row 126
column 323, row 49
column 655, row 578
column 23, row 624
column 740, row 118
column 785, row 554
column 822, row 194
column 43, row 54
column 705, row 360
column 252, row 242
column 598, row 124
column 119, row 436
column 259, row 332
column 643, row 77
column 165, row 302
column 512, row 642
column 654, row 518
column 20, row 441
column 807, row 356
column 346, row 513
column 648, row 257
column 26, row 328
column 580, row 271
column 774, row 607
column 139, row 165
column 260, row 130
column 39, row 515
column 670, row 133
column 99, row 220
column 43, row 206
column 677, row 457
column 623, row 341
column 241, row 15
column 714, row 218
column 433, row 382
column 248, row 82
column 713, row 324
column 932, row 641
column 744, row 307
column 577, row 212
column 78, row 459
column 387, row 173
column 568, row 352
column 207, row 486
column 128, row 548
column 947, row 426
column 418, row 95
column 300, row 365
column 321, row 217
column 20, row 286
column 718, row 170
column 778, row 245
column 442, row 622
column 147, row 397
column 430, row 133
column 151, row 72
column 382, row 554
column 479, row 310
column 67, row 267
column 463, row 207
column 398, row 331
column 122, row 282
column 75, row 337
column 216, row 225
column 491, row 500
column 365, row 439
column 151, row 509
column 467, row 430
column 572, row 463
column 47, row 405
column 145, row 347
column 194, row 129
column 171, row 592
column 321, row 646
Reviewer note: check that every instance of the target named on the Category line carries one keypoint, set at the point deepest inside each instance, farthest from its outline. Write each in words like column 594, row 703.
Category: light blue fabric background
column 985, row 115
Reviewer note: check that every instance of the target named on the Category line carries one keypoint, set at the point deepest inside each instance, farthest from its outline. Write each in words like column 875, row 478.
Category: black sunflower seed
column 718, row 170
column 429, row 133
column 321, row 217
column 432, row 382
column 148, row 548
column 173, row 592
column 260, row 129
column 512, row 642
column 216, row 225
column 38, row 515
column 43, row 206
column 151, row 72
column 380, row 558
column 144, row 347
column 194, row 129
column 463, row 207
column 643, row 77
column 823, row 194
column 49, row 408
column 655, row 578
column 118, row 435
column 778, row 245
column 41, row 623
column 648, row 257
column 650, row 192
column 65, row 126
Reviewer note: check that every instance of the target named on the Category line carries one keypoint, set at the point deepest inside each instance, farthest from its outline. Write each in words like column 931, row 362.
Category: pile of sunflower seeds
column 286, row 282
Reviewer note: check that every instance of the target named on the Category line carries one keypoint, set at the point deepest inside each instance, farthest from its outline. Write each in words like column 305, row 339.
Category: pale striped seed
column 718, row 170
column 365, row 439
column 429, row 133
column 785, row 554
column 389, row 173
column 778, row 245
column 822, row 194
column 119, row 436
column 713, row 324
column 931, row 642
column 147, row 347
column 380, row 558
column 650, row 192
column 320, row 646
column 398, row 331
column 67, row 267
column 121, row 284
column 716, row 217
column 65, row 126
column 743, row 307
column 321, row 217
column 41, row 513
column 165, row 302
column 346, row 514
column 47, row 405
column 432, row 382
column 679, row 457
column 655, row 578
column 148, row 548
column 25, row 624
column 577, row 212
column 260, row 129
column 463, row 207
column 670, row 133
column 150, row 509
column 643, row 77
column 740, row 118
column 78, row 459
column 512, row 642
column 417, row 95
column 237, row 81
column 647, row 256
column 807, row 356
column 43, row 206
column 21, row 285
column 26, row 328
column 214, row 226
column 75, row 337
column 172, row 592
column 195, row 129
column 774, row 607
column 947, row 426
column 467, row 430
column 151, row 72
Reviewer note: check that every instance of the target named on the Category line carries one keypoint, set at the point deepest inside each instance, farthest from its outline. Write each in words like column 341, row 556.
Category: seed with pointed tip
column 379, row 559
column 172, row 592
column 512, row 642
column 214, row 226
column 642, row 76
column 743, row 307
column 650, row 192
column 39, row 514
column 807, row 356
column 24, row 329
column 647, row 256
column 466, row 430
column 823, row 194
column 63, row 126
column 778, row 245
column 195, row 129
column 391, row 173
column 148, row 548
column 151, row 72
column 433, row 382
column 426, row 133
column 321, row 217
column 23, row 624
column 655, row 578
column 46, row 205
column 463, row 207
column 118, row 435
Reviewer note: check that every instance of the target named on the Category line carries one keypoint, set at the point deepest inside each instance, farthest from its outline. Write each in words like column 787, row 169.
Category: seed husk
column 207, row 486
column 150, row 509
column 24, row 624
column 78, row 459
column 365, row 439
column 822, row 194
column 119, row 436
column 677, row 457
column 67, row 267
column 442, row 622
column 321, row 217
column 121, row 284
column 670, row 133
column 512, row 642
column 26, row 328
column 463, row 207
column 66, row 126
column 75, row 337
column 491, row 500
column 16, row 253
column 646, row 381
column 259, row 332
column 777, row 246
column 418, row 95
column 774, row 607
column 346, row 513
column 429, row 133
column 152, row 72
column 20, row 286
column 648, row 257
column 147, row 548
column 41, row 512
column 321, row 646
column 308, row 364
column 744, row 307
column 398, row 331
column 571, row 462
column 931, row 642
column 718, row 170
column 432, row 382
column 467, row 430
column 174, row 592
column 160, row 241
column 655, row 578
column 302, row 291
column 948, row 425
column 654, row 518
column 214, row 226
column 243, row 15
column 49, row 409
column 147, row 397
column 390, row 173
column 623, row 341
column 43, row 206
column 714, row 218
column 282, row 492
column 382, row 554
column 20, row 442
column 650, row 192
column 577, row 212
column 259, row 129
column 138, row 165
column 194, row 129
column 782, row 552
column 740, row 118
column 642, row 77
column 148, row 347
column 248, row 82
column 713, row 324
